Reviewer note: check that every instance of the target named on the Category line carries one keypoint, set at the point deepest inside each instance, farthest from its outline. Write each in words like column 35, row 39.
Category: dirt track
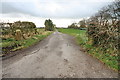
column 57, row 56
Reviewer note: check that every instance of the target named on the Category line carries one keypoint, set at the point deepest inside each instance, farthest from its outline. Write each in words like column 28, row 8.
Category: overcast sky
column 62, row 12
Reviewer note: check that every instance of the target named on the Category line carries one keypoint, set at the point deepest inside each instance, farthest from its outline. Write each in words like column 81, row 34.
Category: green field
column 97, row 52
column 10, row 45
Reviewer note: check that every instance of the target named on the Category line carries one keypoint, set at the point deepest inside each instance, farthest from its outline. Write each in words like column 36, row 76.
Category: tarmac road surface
column 57, row 56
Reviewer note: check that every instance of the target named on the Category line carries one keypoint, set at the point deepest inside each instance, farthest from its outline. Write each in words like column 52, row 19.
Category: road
column 57, row 56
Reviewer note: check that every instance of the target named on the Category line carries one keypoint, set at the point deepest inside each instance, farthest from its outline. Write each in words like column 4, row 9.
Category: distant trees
column 73, row 25
column 79, row 25
column 49, row 26
column 82, row 23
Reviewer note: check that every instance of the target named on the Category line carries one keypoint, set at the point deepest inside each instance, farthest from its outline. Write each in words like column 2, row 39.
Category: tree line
column 22, row 29
column 103, row 28
column 81, row 24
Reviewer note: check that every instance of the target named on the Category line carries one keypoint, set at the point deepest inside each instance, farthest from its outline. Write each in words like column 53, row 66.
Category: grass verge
column 98, row 52
column 10, row 45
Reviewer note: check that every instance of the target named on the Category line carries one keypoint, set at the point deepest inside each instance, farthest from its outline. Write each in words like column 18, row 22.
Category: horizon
column 62, row 13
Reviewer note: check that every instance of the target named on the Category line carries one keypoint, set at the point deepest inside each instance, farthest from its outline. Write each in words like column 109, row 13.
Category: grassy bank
column 82, row 39
column 10, row 45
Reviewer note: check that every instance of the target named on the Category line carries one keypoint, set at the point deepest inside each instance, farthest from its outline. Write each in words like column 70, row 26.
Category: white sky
column 62, row 12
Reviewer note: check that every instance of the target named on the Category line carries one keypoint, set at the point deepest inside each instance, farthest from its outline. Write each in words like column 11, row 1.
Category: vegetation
column 49, row 26
column 20, row 35
column 73, row 25
column 102, row 35
column 83, row 40
column 80, row 25
column 103, row 27
column 10, row 44
column 103, row 31
column 18, row 30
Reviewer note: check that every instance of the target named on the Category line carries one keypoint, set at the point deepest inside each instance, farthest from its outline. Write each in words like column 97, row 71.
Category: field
column 10, row 45
column 81, row 38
